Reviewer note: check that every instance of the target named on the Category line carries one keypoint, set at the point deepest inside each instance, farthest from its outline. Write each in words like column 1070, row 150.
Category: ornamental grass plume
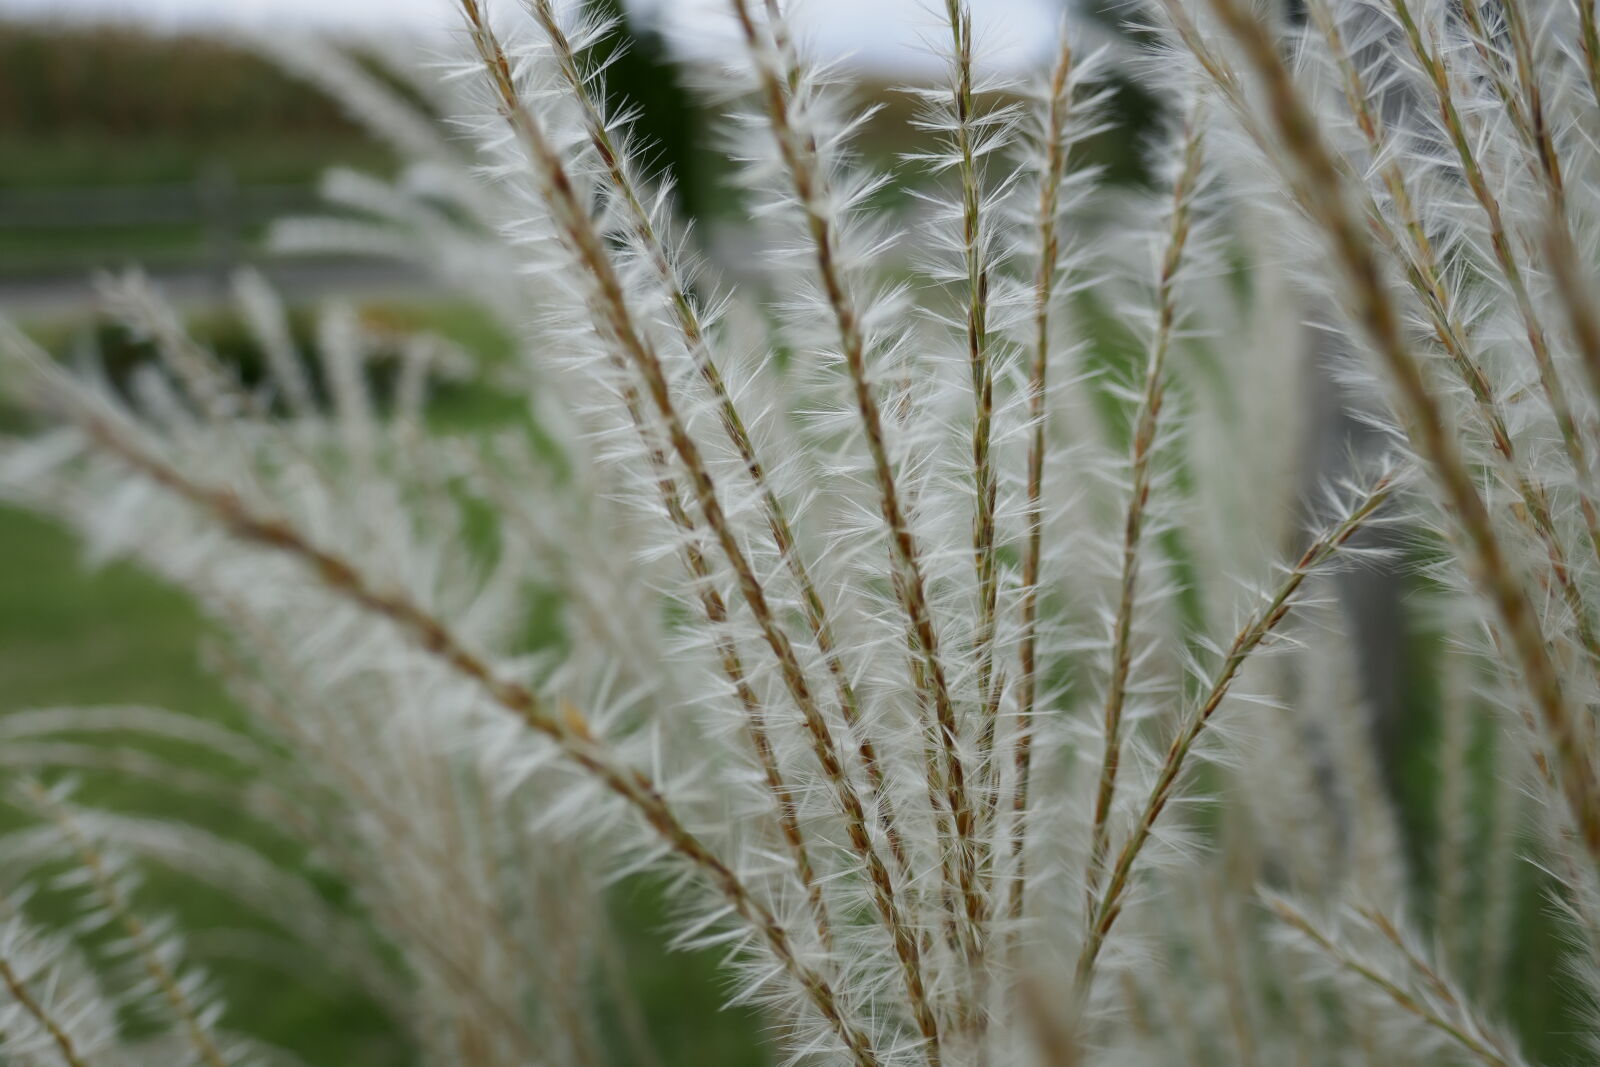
column 944, row 618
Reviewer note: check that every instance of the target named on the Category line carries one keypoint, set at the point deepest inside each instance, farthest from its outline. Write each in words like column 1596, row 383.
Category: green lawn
column 73, row 252
column 72, row 635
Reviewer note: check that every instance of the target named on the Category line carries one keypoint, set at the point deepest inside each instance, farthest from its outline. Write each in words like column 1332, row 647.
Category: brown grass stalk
column 1561, row 251
column 196, row 1032
column 1425, row 275
column 1576, row 295
column 17, row 987
column 1532, row 130
column 1146, row 426
column 1589, row 44
column 261, row 699
column 568, row 729
column 973, row 935
column 1108, row 906
column 615, row 320
column 985, row 484
column 609, row 147
column 715, row 609
column 1058, row 117
column 1398, row 994
column 809, row 184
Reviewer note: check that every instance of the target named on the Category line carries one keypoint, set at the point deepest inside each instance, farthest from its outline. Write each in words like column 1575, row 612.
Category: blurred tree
column 644, row 80
column 1136, row 115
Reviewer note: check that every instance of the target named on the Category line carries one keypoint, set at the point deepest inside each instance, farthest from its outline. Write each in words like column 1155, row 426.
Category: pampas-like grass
column 915, row 590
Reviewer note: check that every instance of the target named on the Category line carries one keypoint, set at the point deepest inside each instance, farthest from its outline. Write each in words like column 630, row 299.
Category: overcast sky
column 882, row 33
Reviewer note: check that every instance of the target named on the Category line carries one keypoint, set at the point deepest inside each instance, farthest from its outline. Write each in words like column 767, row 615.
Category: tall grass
column 983, row 698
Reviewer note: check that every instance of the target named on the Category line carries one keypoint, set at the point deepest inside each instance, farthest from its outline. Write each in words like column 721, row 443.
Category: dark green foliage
column 643, row 79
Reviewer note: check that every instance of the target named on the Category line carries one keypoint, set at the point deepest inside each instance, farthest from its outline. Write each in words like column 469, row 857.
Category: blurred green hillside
column 115, row 105
column 120, row 146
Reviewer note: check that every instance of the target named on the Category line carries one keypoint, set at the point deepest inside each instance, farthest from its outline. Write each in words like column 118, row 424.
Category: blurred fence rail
column 204, row 223
column 215, row 200
column 191, row 235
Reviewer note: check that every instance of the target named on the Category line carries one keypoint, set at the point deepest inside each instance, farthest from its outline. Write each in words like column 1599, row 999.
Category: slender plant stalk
column 1425, row 970
column 1518, row 88
column 715, row 610
column 810, row 188
column 1589, row 44
column 1059, row 114
column 196, row 371
column 1316, row 191
column 1575, row 293
column 288, row 721
column 616, row 319
column 1531, row 125
column 1146, row 427
column 1561, row 251
column 1427, row 279
column 1525, row 103
column 1403, row 998
column 609, row 146
column 878, row 937
column 197, row 1033
column 1527, row 111
column 985, row 484
column 18, row 988
column 973, row 935
column 1108, row 906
